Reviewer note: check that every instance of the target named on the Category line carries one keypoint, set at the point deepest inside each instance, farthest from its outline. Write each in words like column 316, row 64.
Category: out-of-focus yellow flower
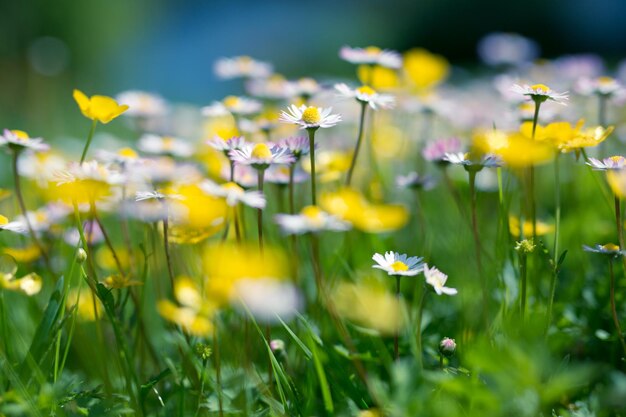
column 425, row 70
column 515, row 149
column 3, row 220
column 554, row 133
column 88, row 306
column 350, row 205
column 329, row 165
column 23, row 255
column 182, row 235
column 99, row 108
column 387, row 140
column 118, row 281
column 225, row 264
column 527, row 228
column 204, row 213
column 221, row 126
column 194, row 312
column 370, row 305
column 29, row 284
column 379, row 78
column 586, row 138
column 85, row 183
column 617, row 182
column 105, row 259
column 372, row 412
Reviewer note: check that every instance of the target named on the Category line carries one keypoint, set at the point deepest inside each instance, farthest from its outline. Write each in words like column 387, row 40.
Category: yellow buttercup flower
column 88, row 306
column 516, row 150
column 527, row 228
column 23, row 255
column 425, row 70
column 99, row 108
column 380, row 78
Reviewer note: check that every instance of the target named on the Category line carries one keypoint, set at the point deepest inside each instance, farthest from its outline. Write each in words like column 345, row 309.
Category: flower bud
column 277, row 345
column 81, row 255
column 447, row 347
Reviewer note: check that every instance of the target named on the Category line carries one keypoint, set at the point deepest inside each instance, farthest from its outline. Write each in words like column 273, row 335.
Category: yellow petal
column 83, row 103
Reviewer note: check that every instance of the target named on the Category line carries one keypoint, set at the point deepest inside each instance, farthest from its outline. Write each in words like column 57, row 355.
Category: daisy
column 18, row 140
column 371, row 55
column 91, row 171
column 270, row 300
column 415, row 181
column 275, row 87
column 540, row 93
column 156, row 195
column 310, row 219
column 309, row 117
column 601, row 86
column 305, row 88
column 234, row 194
column 437, row 280
column 366, row 95
column 261, row 155
column 142, row 104
column 219, row 144
column 237, row 106
column 165, row 145
column 468, row 161
column 298, row 146
column 244, row 175
column 398, row 264
column 436, row 150
column 610, row 249
column 612, row 163
column 241, row 67
column 279, row 174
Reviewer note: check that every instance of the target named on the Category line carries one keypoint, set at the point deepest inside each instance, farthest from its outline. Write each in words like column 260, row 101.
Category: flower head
column 298, row 146
column 366, row 95
column 447, row 347
column 612, row 163
column 234, row 194
column 310, row 219
column 371, row 55
column 237, row 106
column 165, row 145
column 309, row 117
column 609, row 249
column 415, row 181
column 18, row 140
column 540, row 93
column 261, row 155
column 436, row 150
column 437, row 280
column 398, row 264
column 470, row 162
column 142, row 104
column 100, row 108
column 601, row 86
column 241, row 66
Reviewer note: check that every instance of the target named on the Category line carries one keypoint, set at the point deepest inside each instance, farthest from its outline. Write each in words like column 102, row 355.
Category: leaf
column 296, row 339
column 321, row 376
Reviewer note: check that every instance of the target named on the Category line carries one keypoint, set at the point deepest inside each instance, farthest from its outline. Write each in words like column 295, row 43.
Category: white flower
column 18, row 140
column 268, row 299
column 540, row 92
column 305, row 87
column 465, row 159
column 437, row 280
column 40, row 220
column 415, row 181
column 602, row 86
column 40, row 166
column 225, row 146
column 241, row 66
column 309, row 117
column 142, row 104
column 88, row 171
column 245, row 175
column 398, row 264
column 234, row 194
column 238, row 106
column 156, row 195
column 298, row 146
column 279, row 174
column 310, row 219
column 261, row 155
column 371, row 55
column 275, row 87
column 366, row 95
column 165, row 145
column 612, row 163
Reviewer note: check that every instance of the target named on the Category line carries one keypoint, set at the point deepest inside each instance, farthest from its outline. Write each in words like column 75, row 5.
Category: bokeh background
column 47, row 48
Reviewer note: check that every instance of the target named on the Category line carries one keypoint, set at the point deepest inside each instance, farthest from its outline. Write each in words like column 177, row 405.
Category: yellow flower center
column 610, row 247
column 168, row 143
column 372, row 50
column 3, row 220
column 231, row 101
column 127, row 153
column 616, row 158
column 233, row 186
column 20, row 134
column 540, row 88
column 399, row 266
column 605, row 80
column 261, row 151
column 366, row 90
column 527, row 106
column 311, row 115
column 312, row 212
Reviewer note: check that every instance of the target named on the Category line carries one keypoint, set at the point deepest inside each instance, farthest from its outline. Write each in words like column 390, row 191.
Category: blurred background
column 169, row 47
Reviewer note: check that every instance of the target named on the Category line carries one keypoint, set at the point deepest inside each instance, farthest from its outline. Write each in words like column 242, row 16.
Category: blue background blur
column 168, row 47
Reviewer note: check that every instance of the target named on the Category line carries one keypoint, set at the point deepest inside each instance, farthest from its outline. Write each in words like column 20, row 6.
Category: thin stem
column 533, row 208
column 312, row 158
column 292, row 207
column 523, row 271
column 359, row 139
column 260, row 178
column 477, row 246
column 166, row 247
column 418, row 328
column 614, row 309
column 89, row 138
column 218, row 369
column 396, row 341
column 20, row 200
column 557, row 227
column 107, row 239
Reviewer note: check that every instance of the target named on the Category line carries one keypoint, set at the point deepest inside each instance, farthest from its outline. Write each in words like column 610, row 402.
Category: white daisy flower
column 261, row 155
column 367, row 95
column 241, row 67
column 371, row 55
column 310, row 219
column 245, row 175
column 305, row 87
column 269, row 300
column 18, row 140
column 40, row 220
column 466, row 159
column 309, row 117
column 156, row 195
column 275, row 87
column 40, row 166
column 142, row 104
column 601, row 86
column 540, row 93
column 610, row 249
column 279, row 174
column 238, row 106
column 398, row 264
column 234, row 194
column 612, row 163
column 437, row 280
column 89, row 171
column 165, row 145
column 228, row 145
column 298, row 146
column 415, row 181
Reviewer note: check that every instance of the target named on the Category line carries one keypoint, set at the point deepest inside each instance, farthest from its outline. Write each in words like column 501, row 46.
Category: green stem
column 614, row 309
column 260, row 178
column 396, row 341
column 359, row 139
column 89, row 138
column 312, row 158
column 477, row 246
column 523, row 271
column 418, row 327
column 557, row 228
column 292, row 207
column 533, row 206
